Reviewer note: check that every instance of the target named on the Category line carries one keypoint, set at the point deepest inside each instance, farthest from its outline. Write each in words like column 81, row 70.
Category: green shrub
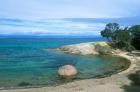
column 103, row 49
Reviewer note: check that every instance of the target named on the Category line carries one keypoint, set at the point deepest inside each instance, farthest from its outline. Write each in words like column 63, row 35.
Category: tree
column 122, row 39
column 112, row 27
column 135, row 33
column 106, row 33
column 109, row 29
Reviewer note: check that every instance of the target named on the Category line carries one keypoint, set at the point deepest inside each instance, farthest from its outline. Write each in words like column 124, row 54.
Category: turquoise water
column 27, row 63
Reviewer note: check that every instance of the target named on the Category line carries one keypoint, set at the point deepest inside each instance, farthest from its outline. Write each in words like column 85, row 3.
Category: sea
column 28, row 62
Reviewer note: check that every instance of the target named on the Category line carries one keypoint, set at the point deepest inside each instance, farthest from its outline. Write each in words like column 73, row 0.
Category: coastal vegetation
column 103, row 48
column 127, row 38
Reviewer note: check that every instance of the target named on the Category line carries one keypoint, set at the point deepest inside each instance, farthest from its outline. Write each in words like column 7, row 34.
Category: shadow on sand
column 135, row 85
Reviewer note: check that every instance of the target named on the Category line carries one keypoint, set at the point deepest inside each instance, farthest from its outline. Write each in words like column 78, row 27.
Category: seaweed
column 24, row 84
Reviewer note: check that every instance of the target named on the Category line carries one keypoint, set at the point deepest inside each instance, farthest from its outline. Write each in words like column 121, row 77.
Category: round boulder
column 67, row 71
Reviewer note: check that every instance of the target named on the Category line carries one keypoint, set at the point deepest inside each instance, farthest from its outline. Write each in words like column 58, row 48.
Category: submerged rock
column 67, row 71
column 24, row 84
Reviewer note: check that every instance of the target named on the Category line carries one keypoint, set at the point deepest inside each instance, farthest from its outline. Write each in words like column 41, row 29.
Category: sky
column 46, row 17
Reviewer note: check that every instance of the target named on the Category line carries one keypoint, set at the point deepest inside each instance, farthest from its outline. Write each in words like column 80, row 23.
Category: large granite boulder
column 67, row 71
column 81, row 49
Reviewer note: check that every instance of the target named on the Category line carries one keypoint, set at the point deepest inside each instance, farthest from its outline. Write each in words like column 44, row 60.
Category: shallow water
column 26, row 62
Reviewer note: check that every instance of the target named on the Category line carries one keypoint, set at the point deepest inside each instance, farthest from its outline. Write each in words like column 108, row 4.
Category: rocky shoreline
column 113, row 83
column 90, row 48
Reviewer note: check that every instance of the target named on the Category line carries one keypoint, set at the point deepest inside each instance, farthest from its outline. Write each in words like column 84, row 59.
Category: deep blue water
column 27, row 62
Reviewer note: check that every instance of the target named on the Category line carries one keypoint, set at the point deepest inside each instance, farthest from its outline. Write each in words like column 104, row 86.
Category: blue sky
column 46, row 17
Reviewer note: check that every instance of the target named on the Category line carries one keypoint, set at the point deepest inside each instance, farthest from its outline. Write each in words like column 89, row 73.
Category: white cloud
column 92, row 26
column 52, row 27
column 76, row 25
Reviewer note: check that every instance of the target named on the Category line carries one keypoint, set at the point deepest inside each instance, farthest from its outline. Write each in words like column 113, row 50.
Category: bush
column 103, row 49
column 129, row 48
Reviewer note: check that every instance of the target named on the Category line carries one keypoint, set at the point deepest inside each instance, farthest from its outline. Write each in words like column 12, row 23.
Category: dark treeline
column 127, row 38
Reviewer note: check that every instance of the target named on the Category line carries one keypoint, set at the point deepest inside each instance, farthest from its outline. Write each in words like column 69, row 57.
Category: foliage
column 109, row 29
column 112, row 26
column 135, row 32
column 121, row 38
column 103, row 49
column 106, row 33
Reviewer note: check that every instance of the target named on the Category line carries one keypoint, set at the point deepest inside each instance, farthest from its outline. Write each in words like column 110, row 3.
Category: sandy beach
column 113, row 83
